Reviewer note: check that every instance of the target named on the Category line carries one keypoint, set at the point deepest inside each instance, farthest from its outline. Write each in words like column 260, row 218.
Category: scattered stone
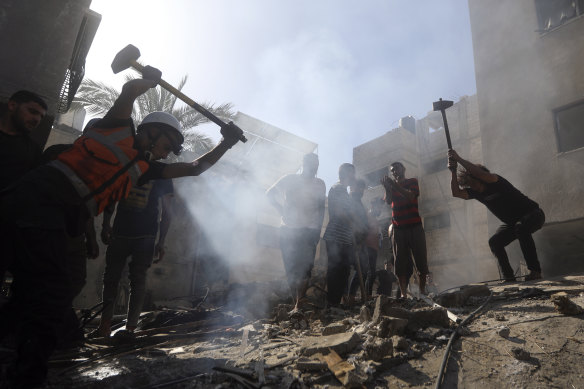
column 378, row 348
column 334, row 328
column 503, row 331
column 390, row 326
column 400, row 343
column 305, row 364
column 340, row 343
column 520, row 354
column 364, row 314
column 564, row 305
column 490, row 315
column 500, row 317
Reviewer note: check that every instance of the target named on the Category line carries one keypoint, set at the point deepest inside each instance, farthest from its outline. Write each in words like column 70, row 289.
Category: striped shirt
column 404, row 212
column 340, row 215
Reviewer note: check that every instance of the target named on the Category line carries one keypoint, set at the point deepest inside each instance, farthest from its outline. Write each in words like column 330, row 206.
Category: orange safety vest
column 103, row 166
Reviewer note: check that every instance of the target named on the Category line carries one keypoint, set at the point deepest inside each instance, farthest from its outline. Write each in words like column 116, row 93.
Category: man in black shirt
column 18, row 153
column 521, row 215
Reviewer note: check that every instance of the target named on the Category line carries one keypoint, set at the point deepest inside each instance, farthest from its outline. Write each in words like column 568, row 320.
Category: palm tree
column 97, row 98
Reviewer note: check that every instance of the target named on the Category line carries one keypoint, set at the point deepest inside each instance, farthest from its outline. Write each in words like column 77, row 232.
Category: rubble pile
column 384, row 342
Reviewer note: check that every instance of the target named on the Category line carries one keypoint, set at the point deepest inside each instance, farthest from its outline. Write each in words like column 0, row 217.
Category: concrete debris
column 306, row 364
column 378, row 348
column 564, row 305
column 340, row 343
column 459, row 298
column 400, row 343
column 520, row 354
column 364, row 314
column 503, row 331
column 390, row 326
column 343, row 370
column 334, row 328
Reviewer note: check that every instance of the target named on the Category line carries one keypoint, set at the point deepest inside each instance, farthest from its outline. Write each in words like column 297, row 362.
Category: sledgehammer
column 127, row 58
column 441, row 106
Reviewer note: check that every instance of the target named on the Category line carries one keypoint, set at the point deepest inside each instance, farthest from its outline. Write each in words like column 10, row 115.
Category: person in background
column 520, row 215
column 302, row 212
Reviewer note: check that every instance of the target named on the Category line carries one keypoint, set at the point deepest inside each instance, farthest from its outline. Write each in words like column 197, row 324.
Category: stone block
column 340, row 343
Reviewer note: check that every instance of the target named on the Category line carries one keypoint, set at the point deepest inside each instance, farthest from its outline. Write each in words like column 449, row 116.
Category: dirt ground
column 217, row 349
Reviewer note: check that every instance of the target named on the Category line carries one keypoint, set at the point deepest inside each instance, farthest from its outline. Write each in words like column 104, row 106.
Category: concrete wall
column 37, row 40
column 522, row 75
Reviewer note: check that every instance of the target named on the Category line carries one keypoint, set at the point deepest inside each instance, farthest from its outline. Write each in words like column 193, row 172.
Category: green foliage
column 97, row 98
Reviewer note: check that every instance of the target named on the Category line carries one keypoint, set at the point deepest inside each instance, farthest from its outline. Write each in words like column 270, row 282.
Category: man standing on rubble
column 134, row 234
column 521, row 215
column 408, row 234
column 339, row 234
column 98, row 170
column 360, row 232
column 302, row 214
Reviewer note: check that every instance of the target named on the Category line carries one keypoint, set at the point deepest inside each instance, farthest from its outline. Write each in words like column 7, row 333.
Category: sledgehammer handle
column 446, row 131
column 205, row 112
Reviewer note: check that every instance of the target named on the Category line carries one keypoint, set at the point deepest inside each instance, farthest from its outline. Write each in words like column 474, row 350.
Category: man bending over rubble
column 302, row 216
column 521, row 215
column 408, row 234
column 98, row 170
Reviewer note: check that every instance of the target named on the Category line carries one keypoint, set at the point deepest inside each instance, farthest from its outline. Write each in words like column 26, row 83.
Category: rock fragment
column 364, row 314
column 334, row 328
column 520, row 354
column 400, row 343
column 503, row 331
column 564, row 305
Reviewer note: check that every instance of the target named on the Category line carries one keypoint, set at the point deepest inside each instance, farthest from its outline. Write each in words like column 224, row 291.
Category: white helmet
column 169, row 121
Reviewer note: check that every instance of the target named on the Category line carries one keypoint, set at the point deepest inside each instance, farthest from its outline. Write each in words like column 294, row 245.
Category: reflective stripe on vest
column 110, row 141
column 82, row 190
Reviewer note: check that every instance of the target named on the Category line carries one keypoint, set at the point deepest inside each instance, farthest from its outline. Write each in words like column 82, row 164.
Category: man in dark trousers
column 56, row 199
column 339, row 234
column 521, row 215
column 408, row 234
column 302, row 211
column 18, row 152
column 360, row 232
column 134, row 235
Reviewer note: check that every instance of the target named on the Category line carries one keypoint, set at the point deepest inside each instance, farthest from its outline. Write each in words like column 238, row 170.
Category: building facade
column 530, row 87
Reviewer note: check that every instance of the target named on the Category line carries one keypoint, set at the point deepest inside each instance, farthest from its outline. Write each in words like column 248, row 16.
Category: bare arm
column 473, row 169
column 456, row 191
column 388, row 183
column 122, row 108
column 231, row 135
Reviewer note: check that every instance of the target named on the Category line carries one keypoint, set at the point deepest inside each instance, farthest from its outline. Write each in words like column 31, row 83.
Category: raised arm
column 454, row 187
column 230, row 134
column 473, row 169
column 122, row 108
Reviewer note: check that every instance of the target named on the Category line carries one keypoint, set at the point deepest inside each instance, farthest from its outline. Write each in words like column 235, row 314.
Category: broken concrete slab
column 390, row 326
column 334, row 328
column 306, row 364
column 378, row 348
column 429, row 317
column 564, row 305
column 340, row 343
column 458, row 298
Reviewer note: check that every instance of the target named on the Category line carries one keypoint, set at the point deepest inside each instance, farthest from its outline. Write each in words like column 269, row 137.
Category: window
column 435, row 222
column 268, row 236
column 554, row 13
column 570, row 127
column 374, row 178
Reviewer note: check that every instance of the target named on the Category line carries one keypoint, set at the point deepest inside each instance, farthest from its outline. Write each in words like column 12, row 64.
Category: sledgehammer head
column 439, row 105
column 124, row 58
